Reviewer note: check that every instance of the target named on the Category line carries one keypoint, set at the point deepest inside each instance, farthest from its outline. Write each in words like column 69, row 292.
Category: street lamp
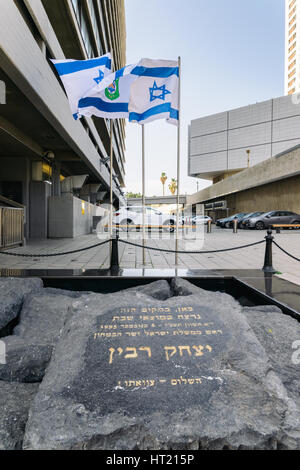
column 248, row 152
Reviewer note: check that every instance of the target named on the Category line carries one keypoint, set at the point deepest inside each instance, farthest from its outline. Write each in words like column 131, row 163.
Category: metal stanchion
column 268, row 265
column 278, row 230
column 209, row 226
column 235, row 226
column 114, row 259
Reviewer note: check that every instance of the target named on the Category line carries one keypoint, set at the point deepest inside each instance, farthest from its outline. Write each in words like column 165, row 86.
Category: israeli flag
column 141, row 92
column 110, row 98
column 155, row 93
column 79, row 76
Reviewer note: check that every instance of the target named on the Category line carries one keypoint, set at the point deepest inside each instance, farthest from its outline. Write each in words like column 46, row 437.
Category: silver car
column 272, row 218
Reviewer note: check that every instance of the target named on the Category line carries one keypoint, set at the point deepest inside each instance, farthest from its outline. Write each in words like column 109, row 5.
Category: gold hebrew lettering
column 131, row 353
column 170, row 348
column 184, row 348
column 199, row 350
column 148, row 350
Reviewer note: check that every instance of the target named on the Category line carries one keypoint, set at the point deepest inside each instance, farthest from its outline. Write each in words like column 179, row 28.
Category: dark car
column 228, row 222
column 218, row 222
column 272, row 218
column 244, row 223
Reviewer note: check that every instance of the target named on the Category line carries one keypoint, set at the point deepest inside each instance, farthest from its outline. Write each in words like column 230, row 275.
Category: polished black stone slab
column 255, row 285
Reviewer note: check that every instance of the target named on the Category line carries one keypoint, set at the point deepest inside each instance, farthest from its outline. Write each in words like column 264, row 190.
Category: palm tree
column 163, row 180
column 173, row 186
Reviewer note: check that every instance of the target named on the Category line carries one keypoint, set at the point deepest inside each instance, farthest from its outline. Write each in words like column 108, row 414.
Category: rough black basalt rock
column 12, row 292
column 15, row 400
column 279, row 335
column 131, row 371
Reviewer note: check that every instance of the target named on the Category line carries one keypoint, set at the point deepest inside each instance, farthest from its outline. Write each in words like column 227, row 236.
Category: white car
column 131, row 217
column 201, row 219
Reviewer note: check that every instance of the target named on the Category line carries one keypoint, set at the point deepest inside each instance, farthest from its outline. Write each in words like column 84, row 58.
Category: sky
column 232, row 54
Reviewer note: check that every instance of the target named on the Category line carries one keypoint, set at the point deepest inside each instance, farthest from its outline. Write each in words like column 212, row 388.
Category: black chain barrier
column 114, row 257
column 286, row 252
column 25, row 255
column 190, row 252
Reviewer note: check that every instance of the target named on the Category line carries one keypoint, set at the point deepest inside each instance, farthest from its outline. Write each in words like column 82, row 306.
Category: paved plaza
column 132, row 257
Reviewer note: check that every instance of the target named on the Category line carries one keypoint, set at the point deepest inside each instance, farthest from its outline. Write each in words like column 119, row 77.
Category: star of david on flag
column 158, row 93
column 79, row 76
column 154, row 95
column 100, row 78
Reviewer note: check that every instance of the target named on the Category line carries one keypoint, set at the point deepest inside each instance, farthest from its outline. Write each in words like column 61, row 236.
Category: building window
column 292, row 38
column 292, row 21
column 83, row 24
column 292, row 64
column 292, row 12
column 291, row 82
column 292, row 73
column 292, row 47
column 292, row 56
column 95, row 26
column 292, row 29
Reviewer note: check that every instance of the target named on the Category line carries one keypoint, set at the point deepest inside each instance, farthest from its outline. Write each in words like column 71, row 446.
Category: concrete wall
column 270, row 185
column 68, row 218
column 38, row 222
column 274, row 169
column 282, row 195
column 218, row 143
column 82, row 217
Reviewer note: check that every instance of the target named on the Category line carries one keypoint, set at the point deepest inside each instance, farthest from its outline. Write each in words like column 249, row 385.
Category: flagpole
column 111, row 176
column 178, row 159
column 143, row 189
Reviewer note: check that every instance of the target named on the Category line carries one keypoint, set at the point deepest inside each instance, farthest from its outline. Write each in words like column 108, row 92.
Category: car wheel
column 170, row 226
column 227, row 225
column 260, row 225
column 126, row 225
column 296, row 222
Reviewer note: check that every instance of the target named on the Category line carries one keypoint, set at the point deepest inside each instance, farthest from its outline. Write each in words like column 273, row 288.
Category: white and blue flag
column 79, row 76
column 110, row 98
column 141, row 92
column 154, row 95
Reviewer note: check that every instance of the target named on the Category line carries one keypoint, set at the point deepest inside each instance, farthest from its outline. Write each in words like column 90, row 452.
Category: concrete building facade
column 223, row 144
column 47, row 159
column 273, row 184
column 292, row 47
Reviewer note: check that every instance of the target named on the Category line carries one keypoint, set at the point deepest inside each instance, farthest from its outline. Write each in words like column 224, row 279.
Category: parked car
column 272, row 218
column 131, row 217
column 244, row 223
column 228, row 222
column 201, row 219
column 219, row 221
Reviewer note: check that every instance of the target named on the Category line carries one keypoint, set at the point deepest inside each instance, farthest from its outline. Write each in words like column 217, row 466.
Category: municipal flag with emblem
column 79, row 76
column 110, row 98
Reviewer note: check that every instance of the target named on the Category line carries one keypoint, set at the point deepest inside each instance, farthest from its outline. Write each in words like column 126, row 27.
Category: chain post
column 268, row 264
column 114, row 260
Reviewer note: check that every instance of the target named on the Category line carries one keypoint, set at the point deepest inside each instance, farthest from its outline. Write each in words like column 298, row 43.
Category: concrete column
column 56, row 169
column 37, row 171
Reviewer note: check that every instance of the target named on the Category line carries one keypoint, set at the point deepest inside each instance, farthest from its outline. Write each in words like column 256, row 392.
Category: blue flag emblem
column 158, row 92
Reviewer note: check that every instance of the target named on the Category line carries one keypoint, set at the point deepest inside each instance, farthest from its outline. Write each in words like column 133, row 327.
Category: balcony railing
column 11, row 227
